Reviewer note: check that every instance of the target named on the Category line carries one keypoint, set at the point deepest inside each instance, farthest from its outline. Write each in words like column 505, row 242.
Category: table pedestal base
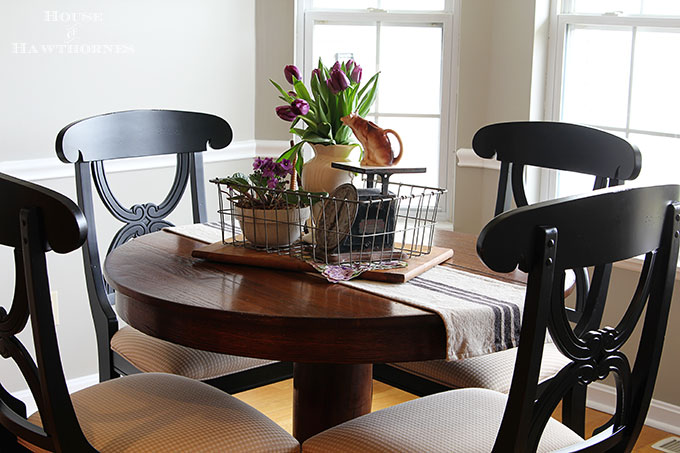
column 326, row 395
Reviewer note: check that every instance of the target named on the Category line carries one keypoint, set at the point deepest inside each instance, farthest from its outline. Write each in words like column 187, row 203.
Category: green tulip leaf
column 309, row 121
column 367, row 101
column 325, row 129
column 285, row 96
column 372, row 83
column 289, row 153
column 302, row 92
column 300, row 160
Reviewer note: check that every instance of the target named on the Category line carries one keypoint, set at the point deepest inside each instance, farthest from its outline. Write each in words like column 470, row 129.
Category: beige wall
column 197, row 55
column 497, row 83
column 502, row 78
column 170, row 54
column 274, row 49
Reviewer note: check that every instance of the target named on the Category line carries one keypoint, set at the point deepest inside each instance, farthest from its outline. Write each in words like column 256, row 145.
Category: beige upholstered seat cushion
column 154, row 412
column 464, row 420
column 151, row 354
column 491, row 371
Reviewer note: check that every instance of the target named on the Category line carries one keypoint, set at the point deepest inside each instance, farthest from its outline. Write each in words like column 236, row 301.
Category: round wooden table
column 331, row 332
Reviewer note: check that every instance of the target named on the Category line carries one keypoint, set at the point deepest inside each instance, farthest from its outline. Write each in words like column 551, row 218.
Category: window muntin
column 637, row 7
column 619, row 73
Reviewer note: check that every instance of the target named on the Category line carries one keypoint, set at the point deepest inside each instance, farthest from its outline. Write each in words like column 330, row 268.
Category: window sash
column 307, row 6
column 560, row 23
column 307, row 17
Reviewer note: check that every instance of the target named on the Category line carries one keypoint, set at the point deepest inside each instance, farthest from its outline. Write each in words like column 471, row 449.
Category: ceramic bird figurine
column 376, row 143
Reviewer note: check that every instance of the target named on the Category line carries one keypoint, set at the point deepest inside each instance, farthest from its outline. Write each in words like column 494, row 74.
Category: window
column 616, row 67
column 411, row 44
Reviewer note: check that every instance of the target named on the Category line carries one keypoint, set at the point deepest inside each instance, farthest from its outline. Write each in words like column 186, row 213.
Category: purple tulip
column 356, row 74
column 299, row 107
column 291, row 71
column 285, row 112
column 336, row 67
column 292, row 94
column 350, row 64
column 319, row 74
column 338, row 81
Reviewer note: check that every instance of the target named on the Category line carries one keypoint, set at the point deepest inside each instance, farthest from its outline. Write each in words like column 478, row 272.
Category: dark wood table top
column 332, row 332
column 257, row 312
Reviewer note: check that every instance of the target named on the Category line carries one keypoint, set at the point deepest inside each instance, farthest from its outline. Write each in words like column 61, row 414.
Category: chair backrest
column 560, row 146
column 90, row 142
column 557, row 146
column 34, row 220
column 547, row 238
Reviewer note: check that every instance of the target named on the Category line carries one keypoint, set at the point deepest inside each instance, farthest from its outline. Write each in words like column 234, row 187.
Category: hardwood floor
column 276, row 401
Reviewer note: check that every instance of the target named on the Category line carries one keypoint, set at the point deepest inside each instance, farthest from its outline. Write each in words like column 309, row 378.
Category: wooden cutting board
column 226, row 253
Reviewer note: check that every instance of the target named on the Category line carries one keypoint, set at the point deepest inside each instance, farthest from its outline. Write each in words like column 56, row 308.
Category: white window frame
column 450, row 23
column 559, row 22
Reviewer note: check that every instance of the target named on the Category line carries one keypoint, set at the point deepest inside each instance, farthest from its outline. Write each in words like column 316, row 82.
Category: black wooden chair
column 560, row 146
column 544, row 240
column 145, row 412
column 88, row 144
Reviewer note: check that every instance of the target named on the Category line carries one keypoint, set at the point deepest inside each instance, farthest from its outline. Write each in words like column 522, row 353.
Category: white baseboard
column 73, row 385
column 52, row 168
column 271, row 148
column 661, row 415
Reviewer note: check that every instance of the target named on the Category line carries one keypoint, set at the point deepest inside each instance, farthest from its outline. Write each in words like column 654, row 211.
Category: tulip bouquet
column 335, row 92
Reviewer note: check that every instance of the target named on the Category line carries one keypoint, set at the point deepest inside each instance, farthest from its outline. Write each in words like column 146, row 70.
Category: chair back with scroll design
column 90, row 142
column 33, row 221
column 547, row 238
column 566, row 147
column 559, row 146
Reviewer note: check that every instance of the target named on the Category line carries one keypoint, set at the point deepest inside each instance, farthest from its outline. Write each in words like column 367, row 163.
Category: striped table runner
column 209, row 232
column 481, row 314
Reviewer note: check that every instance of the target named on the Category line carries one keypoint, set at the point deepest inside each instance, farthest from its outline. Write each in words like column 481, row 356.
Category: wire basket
column 349, row 226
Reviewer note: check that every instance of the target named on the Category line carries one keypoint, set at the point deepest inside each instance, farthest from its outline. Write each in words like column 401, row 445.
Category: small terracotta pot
column 272, row 227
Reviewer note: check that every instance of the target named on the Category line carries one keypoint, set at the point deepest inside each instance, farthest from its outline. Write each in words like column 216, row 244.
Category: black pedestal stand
column 383, row 172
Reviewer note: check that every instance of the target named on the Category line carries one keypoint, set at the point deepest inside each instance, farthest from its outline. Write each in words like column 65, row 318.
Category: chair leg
column 406, row 381
column 253, row 378
column 574, row 409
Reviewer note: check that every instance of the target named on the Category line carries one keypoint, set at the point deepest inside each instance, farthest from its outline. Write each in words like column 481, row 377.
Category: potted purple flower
column 269, row 213
column 334, row 92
